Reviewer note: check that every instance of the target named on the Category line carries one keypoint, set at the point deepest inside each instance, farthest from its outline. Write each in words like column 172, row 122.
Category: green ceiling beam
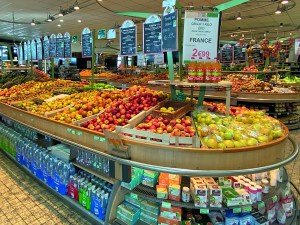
column 230, row 4
column 135, row 14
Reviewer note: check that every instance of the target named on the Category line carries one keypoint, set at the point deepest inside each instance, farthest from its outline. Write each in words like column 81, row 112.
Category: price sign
column 297, row 46
column 86, row 43
column 169, row 27
column 132, row 195
column 20, row 53
column 274, row 198
column 159, row 59
column 261, row 205
column 257, row 56
column 201, row 35
column 60, row 46
column 166, row 205
column 239, row 53
column 128, row 38
column 227, row 53
column 204, row 211
column 116, row 145
column 111, row 34
column 140, row 59
column 29, row 50
column 33, row 50
column 67, row 45
column 39, row 49
column 247, row 209
column 102, row 34
column 52, row 46
column 152, row 35
column 237, row 210
column 46, row 48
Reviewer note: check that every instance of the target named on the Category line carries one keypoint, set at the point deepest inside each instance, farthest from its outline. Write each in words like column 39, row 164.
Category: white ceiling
column 95, row 16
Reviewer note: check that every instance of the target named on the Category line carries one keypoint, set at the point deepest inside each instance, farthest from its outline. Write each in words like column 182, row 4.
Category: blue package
column 231, row 218
column 246, row 219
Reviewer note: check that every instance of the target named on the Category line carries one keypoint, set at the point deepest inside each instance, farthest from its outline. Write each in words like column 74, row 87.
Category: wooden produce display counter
column 156, row 154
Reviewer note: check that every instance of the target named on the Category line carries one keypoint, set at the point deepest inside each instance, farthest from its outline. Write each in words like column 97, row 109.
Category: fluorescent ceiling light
column 239, row 17
column 278, row 10
column 284, row 2
column 32, row 22
column 76, row 6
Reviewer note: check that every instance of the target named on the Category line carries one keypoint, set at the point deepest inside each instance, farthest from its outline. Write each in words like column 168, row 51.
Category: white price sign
column 297, row 46
column 159, row 59
column 201, row 35
column 140, row 59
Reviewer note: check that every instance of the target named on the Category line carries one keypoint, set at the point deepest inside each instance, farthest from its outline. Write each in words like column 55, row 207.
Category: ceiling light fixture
column 239, row 16
column 278, row 10
column 32, row 22
column 61, row 20
column 58, row 25
column 76, row 5
column 281, row 24
column 79, row 21
column 284, row 2
column 100, row 0
column 61, row 13
column 49, row 19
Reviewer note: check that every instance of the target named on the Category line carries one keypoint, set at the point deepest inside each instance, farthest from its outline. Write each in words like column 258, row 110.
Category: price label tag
column 73, row 132
column 79, row 133
column 69, row 130
column 102, row 139
column 247, row 208
column 132, row 195
column 261, row 205
column 166, row 205
column 96, row 138
column 237, row 210
column 204, row 211
column 274, row 198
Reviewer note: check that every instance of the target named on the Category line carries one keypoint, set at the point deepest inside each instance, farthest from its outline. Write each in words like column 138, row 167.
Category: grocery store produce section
column 116, row 153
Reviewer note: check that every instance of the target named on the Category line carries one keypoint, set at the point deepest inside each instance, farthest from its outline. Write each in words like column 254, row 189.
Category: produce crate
column 180, row 108
column 54, row 112
column 130, row 132
column 88, row 118
column 35, row 100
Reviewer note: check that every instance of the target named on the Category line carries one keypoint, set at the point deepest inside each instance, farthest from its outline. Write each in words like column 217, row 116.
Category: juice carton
column 163, row 179
column 245, row 195
column 200, row 195
column 215, row 196
column 162, row 220
column 174, row 179
column 174, row 192
column 174, row 213
column 207, row 179
column 209, row 182
column 162, row 191
column 224, row 181
column 231, row 197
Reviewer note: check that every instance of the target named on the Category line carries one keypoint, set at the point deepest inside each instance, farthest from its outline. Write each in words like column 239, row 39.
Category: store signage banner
column 29, row 50
column 159, row 59
column 46, row 48
column 52, row 46
column 169, row 30
column 39, row 49
column 227, row 53
column 152, row 35
column 201, row 35
column 20, row 53
column 60, row 46
column 111, row 34
column 67, row 45
column 33, row 50
column 102, row 34
column 140, row 59
column 87, row 43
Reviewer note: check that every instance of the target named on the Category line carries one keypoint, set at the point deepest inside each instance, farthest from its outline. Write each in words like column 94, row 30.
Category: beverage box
column 215, row 196
column 231, row 197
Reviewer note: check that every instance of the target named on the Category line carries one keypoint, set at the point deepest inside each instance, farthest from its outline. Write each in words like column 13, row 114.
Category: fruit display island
column 157, row 129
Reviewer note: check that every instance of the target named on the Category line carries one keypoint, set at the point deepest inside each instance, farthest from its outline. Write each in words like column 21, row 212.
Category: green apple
column 212, row 143
column 221, row 145
column 228, row 135
column 229, row 143
column 262, row 139
column 252, row 141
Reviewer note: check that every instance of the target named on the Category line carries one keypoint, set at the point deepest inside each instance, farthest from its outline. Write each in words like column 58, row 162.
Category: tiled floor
column 23, row 201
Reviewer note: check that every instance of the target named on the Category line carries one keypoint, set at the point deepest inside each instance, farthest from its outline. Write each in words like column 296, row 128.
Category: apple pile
column 250, row 128
column 221, row 108
column 121, row 112
column 175, row 127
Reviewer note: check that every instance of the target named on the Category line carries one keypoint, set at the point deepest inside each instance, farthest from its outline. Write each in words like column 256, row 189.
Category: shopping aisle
column 23, row 201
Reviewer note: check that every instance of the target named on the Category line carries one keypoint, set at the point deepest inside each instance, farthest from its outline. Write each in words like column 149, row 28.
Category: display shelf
column 293, row 126
column 74, row 204
column 258, row 72
column 120, row 222
column 96, row 173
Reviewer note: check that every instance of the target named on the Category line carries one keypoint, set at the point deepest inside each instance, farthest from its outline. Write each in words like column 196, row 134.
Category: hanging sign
column 128, row 38
column 20, row 53
column 227, row 53
column 25, row 51
column 239, row 53
column 39, row 49
column 201, row 35
column 257, row 55
column 52, row 46
column 86, row 43
column 46, row 48
column 297, row 46
column 29, row 50
column 60, row 46
column 141, row 59
column 159, row 59
column 101, row 34
column 167, row 3
column 111, row 34
column 152, row 35
column 67, row 45
column 169, row 29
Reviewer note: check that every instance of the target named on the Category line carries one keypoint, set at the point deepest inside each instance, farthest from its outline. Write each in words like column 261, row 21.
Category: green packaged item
column 152, row 220
column 150, row 178
column 149, row 206
column 136, row 178
column 124, row 219
column 134, row 200
column 129, row 210
column 231, row 197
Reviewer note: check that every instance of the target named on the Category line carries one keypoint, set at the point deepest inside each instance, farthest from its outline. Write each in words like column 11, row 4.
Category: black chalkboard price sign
column 52, row 46
column 60, row 46
column 169, row 31
column 257, row 56
column 86, row 43
column 128, row 40
column 152, row 38
column 29, row 50
column 239, row 54
column 33, row 50
column 227, row 53
column 25, row 51
column 67, row 45
column 46, row 47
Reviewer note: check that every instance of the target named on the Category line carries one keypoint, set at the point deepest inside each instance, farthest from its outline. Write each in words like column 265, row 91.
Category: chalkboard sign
column 67, row 45
column 60, row 46
column 25, row 51
column 46, row 48
column 52, row 46
column 39, row 48
column 29, row 50
column 227, row 53
column 20, row 53
column 257, row 56
column 239, row 54
column 128, row 40
column 86, row 43
column 152, row 35
column 33, row 50
column 169, row 29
